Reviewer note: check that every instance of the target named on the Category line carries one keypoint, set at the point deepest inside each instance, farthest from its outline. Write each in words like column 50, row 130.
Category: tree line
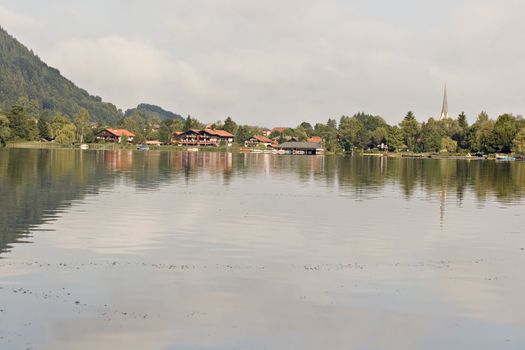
column 505, row 134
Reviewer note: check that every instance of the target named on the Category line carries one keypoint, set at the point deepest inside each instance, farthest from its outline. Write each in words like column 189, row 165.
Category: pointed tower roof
column 444, row 110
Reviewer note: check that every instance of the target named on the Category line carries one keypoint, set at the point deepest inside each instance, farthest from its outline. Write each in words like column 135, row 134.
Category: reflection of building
column 114, row 135
column 117, row 160
column 206, row 137
column 309, row 148
column 258, row 140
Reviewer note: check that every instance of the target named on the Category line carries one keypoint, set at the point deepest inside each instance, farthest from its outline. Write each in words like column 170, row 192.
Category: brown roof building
column 206, row 137
column 114, row 135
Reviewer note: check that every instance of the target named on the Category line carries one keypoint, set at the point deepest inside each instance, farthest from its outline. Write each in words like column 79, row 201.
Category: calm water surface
column 109, row 249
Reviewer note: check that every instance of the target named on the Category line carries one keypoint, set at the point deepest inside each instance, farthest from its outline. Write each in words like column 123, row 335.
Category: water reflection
column 215, row 250
column 35, row 184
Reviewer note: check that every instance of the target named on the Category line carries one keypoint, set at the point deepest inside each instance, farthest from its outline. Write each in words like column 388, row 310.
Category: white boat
column 193, row 149
column 84, row 146
column 505, row 157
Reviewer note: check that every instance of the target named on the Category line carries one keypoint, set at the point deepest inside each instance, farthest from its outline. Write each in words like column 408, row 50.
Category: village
column 195, row 139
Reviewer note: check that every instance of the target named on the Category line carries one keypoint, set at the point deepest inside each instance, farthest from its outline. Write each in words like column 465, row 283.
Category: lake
column 161, row 250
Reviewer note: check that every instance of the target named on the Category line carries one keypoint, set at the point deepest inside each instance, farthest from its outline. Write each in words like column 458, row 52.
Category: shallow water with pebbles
column 160, row 250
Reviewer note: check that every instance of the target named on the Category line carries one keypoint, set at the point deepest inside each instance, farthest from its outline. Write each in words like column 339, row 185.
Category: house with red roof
column 279, row 130
column 204, row 137
column 114, row 135
column 255, row 141
column 315, row 139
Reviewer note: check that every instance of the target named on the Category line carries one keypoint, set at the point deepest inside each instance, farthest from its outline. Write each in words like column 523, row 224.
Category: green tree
column 328, row 132
column 66, row 134
column 483, row 139
column 431, row 135
column 380, row 135
column 462, row 121
column 448, row 144
column 462, row 137
column 230, row 126
column 44, row 130
column 177, row 125
column 165, row 131
column 410, row 129
column 300, row 133
column 394, row 138
column 519, row 142
column 307, row 127
column 82, row 124
column 23, row 127
column 243, row 133
column 58, row 122
column 191, row 123
column 505, row 132
column 137, row 140
column 5, row 131
column 135, row 123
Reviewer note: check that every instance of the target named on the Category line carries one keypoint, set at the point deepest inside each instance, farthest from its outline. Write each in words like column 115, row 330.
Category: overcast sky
column 281, row 62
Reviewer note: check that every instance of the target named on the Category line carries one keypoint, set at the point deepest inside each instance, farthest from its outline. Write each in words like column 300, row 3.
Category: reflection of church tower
column 444, row 110
column 442, row 204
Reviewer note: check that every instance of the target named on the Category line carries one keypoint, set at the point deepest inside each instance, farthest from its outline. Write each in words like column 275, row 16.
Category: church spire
column 444, row 110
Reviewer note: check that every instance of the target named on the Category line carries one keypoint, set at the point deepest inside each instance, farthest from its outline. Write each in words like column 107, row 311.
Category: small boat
column 193, row 149
column 143, row 148
column 505, row 157
column 84, row 146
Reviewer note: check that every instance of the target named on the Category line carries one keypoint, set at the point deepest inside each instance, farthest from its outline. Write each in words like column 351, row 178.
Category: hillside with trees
column 24, row 75
column 152, row 111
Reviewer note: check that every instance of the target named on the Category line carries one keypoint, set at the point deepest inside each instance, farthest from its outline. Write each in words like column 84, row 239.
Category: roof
column 279, row 129
column 263, row 139
column 299, row 145
column 316, row 139
column 120, row 132
column 221, row 133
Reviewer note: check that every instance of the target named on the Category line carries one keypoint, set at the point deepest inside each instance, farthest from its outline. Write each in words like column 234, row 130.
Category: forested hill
column 23, row 74
column 153, row 111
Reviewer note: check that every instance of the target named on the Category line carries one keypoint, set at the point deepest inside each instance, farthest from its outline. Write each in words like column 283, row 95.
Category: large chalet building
column 204, row 137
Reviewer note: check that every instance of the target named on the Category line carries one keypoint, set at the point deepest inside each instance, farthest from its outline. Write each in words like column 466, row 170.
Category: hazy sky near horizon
column 282, row 62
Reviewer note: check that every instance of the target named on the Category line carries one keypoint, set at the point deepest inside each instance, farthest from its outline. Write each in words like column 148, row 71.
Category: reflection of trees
column 35, row 184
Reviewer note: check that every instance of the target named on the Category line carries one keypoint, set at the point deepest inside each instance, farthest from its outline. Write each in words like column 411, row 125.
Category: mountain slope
column 153, row 111
column 24, row 74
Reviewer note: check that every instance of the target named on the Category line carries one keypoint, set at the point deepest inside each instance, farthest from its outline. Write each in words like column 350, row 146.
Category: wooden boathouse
column 306, row 148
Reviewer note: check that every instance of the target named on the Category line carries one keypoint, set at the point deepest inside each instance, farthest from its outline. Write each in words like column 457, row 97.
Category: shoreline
column 237, row 149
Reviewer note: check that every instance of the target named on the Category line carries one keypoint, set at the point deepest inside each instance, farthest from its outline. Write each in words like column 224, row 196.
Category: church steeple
column 444, row 110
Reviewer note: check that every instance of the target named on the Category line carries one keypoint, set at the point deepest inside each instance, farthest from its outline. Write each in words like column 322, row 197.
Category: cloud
column 302, row 60
column 18, row 22
column 125, row 71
